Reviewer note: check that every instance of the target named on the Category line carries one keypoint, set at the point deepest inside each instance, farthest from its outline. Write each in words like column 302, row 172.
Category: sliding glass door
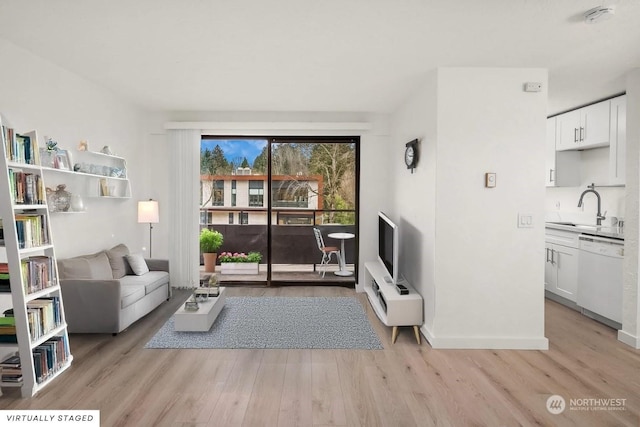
column 267, row 195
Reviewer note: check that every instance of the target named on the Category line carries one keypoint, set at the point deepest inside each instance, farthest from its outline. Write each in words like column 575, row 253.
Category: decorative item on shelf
column 83, row 145
column 104, row 188
column 62, row 160
column 58, row 200
column 48, row 154
column 77, row 204
column 149, row 212
column 51, row 144
column 118, row 173
column 210, row 242
column 107, row 150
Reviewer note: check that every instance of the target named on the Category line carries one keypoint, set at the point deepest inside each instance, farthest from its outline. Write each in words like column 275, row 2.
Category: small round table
column 343, row 263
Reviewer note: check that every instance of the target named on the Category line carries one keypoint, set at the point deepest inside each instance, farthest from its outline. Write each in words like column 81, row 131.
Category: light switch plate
column 490, row 179
column 525, row 220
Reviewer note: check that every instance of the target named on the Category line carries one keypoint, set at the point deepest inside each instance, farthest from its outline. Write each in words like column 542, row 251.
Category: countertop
column 593, row 230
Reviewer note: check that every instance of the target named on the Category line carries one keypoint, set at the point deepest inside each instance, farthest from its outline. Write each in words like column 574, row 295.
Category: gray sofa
column 103, row 294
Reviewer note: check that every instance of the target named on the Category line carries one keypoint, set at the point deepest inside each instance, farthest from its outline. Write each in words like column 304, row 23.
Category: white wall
column 630, row 333
column 414, row 209
column 39, row 95
column 485, row 279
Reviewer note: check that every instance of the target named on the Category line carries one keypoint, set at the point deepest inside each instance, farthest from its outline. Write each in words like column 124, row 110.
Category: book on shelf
column 11, row 369
column 49, row 357
column 20, row 148
column 43, row 315
column 5, row 283
column 32, row 230
column 37, row 273
column 26, row 188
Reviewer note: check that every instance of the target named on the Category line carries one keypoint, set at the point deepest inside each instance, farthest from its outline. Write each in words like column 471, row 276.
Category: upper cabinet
column 563, row 167
column 587, row 127
column 572, row 134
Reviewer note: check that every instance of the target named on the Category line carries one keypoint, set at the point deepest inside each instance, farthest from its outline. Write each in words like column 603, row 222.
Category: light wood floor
column 402, row 385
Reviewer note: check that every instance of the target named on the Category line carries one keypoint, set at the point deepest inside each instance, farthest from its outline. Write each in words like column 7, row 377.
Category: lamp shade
column 148, row 211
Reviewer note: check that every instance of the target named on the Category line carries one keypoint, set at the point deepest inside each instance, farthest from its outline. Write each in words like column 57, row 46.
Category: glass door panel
column 313, row 183
column 233, row 201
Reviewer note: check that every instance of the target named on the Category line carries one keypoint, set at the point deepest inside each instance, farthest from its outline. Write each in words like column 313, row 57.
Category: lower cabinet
column 561, row 270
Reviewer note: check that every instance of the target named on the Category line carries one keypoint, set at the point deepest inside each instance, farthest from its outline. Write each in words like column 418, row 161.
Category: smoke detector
column 598, row 14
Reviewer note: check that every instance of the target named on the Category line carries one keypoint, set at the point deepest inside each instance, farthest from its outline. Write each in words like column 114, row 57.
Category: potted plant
column 210, row 242
column 239, row 262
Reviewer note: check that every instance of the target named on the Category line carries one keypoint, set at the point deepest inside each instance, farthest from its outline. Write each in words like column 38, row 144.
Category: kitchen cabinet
column 561, row 264
column 586, row 127
column 618, row 140
column 563, row 167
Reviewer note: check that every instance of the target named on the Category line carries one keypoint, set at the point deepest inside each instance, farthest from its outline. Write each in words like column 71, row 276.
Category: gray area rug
column 279, row 322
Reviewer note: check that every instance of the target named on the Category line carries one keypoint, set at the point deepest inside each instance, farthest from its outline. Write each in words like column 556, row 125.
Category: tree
column 260, row 162
column 212, row 163
column 336, row 163
column 245, row 163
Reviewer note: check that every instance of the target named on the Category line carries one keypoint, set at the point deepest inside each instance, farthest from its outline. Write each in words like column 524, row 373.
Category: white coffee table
column 201, row 319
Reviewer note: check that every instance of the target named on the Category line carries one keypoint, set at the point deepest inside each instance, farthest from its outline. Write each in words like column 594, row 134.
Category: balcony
column 295, row 256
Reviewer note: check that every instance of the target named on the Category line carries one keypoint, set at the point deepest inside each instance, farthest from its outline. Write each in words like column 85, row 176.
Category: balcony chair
column 327, row 251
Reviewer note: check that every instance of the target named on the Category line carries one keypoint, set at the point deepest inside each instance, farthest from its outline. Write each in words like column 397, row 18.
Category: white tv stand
column 392, row 308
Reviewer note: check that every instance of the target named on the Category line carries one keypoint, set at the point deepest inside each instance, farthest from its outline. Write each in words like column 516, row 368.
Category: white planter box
column 239, row 268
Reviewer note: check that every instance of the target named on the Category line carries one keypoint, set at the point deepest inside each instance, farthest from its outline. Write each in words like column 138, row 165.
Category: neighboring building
column 241, row 198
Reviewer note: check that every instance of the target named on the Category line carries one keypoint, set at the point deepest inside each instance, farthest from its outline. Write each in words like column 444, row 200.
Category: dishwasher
column 600, row 265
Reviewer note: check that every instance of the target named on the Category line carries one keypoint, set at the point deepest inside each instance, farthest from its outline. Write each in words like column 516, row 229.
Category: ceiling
column 320, row 56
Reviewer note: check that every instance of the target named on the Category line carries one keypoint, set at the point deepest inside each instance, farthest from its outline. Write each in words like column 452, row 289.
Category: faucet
column 592, row 189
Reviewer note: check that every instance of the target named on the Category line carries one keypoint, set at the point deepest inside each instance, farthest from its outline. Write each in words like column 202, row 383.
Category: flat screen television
column 388, row 249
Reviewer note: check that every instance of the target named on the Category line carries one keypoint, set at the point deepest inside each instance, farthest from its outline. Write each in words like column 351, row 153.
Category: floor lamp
column 148, row 212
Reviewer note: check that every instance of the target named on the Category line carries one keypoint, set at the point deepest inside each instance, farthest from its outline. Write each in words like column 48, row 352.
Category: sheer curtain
column 184, row 170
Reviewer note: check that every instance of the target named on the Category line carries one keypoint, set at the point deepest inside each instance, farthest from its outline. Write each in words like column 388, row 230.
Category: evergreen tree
column 260, row 162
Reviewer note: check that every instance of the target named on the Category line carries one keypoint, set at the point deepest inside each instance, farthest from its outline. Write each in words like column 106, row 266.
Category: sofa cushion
column 150, row 281
column 130, row 294
column 117, row 260
column 137, row 264
column 95, row 266
column 74, row 268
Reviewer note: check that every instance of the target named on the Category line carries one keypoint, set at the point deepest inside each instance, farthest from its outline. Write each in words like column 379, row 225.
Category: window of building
column 256, row 193
column 244, row 218
column 233, row 194
column 290, row 194
column 218, row 193
column 230, row 217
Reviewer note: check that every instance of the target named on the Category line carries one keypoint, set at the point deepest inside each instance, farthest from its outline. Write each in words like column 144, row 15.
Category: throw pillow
column 116, row 259
column 138, row 264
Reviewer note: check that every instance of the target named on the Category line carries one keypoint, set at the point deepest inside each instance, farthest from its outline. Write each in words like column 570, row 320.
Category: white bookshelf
column 31, row 241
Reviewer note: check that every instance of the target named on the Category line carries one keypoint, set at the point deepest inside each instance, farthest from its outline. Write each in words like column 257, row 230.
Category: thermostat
column 490, row 179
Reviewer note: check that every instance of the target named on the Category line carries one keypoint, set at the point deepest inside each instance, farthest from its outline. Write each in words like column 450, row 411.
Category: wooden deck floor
column 403, row 385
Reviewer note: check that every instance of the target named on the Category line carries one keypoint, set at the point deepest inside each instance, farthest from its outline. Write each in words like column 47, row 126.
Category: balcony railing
column 290, row 243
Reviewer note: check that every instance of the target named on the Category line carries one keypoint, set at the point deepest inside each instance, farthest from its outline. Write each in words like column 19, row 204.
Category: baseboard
column 629, row 339
column 493, row 343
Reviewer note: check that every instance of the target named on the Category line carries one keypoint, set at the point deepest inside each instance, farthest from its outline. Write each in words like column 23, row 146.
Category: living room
column 462, row 250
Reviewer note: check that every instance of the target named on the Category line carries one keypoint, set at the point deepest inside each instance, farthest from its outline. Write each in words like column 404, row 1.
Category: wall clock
column 411, row 154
